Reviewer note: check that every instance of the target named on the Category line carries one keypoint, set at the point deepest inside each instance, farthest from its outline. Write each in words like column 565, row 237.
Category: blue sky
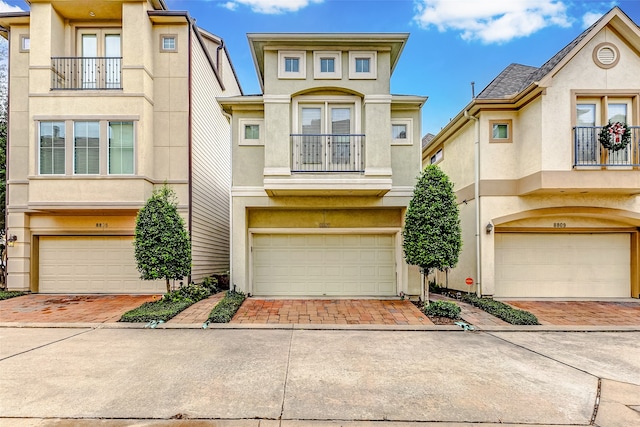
column 452, row 42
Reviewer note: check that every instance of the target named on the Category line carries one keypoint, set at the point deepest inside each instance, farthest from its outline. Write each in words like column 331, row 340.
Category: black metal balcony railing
column 589, row 152
column 86, row 73
column 327, row 153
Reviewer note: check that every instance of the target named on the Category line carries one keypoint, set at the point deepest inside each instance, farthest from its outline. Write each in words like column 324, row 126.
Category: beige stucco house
column 324, row 164
column 109, row 100
column 546, row 210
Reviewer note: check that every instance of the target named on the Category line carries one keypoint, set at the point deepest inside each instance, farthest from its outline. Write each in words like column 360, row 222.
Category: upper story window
column 168, row 43
column 327, row 65
column 325, row 135
column 25, row 43
column 292, row 65
column 591, row 114
column 97, row 64
column 362, row 65
column 98, row 147
column 501, row 130
column 52, row 148
column 401, row 132
column 251, row 131
column 436, row 157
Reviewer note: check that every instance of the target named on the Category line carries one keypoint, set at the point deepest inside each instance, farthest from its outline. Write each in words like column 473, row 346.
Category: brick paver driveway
column 577, row 313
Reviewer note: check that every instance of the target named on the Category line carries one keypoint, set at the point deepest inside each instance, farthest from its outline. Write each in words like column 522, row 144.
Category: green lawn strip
column 10, row 294
column 224, row 311
column 501, row 310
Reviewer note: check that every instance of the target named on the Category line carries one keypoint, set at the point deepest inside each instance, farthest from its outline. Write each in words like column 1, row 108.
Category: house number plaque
column 559, row 225
column 102, row 225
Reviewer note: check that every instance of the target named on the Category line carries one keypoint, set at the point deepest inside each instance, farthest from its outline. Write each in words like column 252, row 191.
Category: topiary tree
column 162, row 245
column 432, row 233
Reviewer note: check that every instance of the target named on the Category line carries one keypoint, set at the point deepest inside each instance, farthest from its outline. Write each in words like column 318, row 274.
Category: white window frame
column 318, row 56
column 302, row 69
column 247, row 122
column 108, row 147
column 25, row 43
column 164, row 37
column 39, row 153
column 436, row 157
column 408, row 139
column 373, row 65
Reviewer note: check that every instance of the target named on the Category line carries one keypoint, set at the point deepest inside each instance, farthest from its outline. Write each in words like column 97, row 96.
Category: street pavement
column 297, row 377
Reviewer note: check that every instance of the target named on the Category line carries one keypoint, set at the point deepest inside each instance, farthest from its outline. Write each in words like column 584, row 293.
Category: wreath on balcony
column 615, row 136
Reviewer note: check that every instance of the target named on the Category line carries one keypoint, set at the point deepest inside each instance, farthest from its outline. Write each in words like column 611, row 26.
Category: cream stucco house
column 546, row 210
column 324, row 164
column 108, row 100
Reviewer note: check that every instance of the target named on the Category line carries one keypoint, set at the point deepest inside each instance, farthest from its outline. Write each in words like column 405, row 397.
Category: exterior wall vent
column 606, row 55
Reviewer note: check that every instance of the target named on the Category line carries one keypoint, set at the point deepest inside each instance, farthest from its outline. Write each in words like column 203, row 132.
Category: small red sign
column 468, row 281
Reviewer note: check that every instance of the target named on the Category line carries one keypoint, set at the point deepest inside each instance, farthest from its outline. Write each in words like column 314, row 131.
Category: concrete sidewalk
column 295, row 377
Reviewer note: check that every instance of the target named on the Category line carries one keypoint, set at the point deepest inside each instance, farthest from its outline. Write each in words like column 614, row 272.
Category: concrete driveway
column 298, row 377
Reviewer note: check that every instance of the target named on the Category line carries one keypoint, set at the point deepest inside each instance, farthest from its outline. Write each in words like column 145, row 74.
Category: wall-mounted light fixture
column 11, row 239
column 489, row 228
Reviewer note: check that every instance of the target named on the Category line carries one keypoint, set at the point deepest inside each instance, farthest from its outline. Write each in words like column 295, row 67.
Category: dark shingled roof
column 427, row 139
column 515, row 78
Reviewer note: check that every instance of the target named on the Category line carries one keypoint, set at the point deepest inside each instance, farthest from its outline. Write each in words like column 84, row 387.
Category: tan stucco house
column 546, row 209
column 108, row 100
column 324, row 165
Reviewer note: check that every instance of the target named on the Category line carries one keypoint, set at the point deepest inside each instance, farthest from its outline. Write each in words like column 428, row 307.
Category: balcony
column 327, row 153
column 589, row 152
column 327, row 165
column 86, row 73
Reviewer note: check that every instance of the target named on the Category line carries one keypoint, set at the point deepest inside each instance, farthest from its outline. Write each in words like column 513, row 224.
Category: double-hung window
column 52, row 150
column 120, row 148
column 86, row 148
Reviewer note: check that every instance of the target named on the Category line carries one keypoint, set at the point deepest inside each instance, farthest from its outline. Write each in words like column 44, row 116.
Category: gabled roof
column 516, row 83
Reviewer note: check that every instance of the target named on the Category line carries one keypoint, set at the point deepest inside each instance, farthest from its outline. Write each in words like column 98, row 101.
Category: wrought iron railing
column 327, row 153
column 589, row 152
column 86, row 73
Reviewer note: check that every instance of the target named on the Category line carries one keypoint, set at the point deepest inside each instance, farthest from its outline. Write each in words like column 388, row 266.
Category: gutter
column 476, row 191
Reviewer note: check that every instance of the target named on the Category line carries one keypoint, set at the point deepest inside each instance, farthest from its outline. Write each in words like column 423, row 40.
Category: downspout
column 190, row 135
column 476, row 194
column 6, row 165
column 230, row 118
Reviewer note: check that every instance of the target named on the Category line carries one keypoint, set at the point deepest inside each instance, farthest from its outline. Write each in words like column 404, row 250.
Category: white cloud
column 589, row 18
column 4, row 7
column 493, row 21
column 270, row 6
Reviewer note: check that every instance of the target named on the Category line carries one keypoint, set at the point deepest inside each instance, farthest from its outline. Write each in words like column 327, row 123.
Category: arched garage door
column 91, row 264
column 563, row 265
column 324, row 264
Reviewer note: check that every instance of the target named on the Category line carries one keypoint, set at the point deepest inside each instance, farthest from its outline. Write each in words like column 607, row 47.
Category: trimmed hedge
column 10, row 294
column 224, row 311
column 169, row 306
column 447, row 309
column 502, row 310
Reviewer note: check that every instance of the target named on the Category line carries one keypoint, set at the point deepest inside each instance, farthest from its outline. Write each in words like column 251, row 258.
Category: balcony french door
column 327, row 142
column 100, row 52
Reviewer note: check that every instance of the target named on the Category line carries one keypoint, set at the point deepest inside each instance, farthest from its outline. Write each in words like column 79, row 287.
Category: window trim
column 302, row 69
column 241, row 126
column 508, row 123
column 408, row 139
column 318, row 56
column 164, row 37
column 23, row 38
column 373, row 65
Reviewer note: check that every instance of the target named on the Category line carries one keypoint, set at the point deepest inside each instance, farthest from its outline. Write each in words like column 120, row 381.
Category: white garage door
column 563, row 265
column 324, row 264
column 88, row 264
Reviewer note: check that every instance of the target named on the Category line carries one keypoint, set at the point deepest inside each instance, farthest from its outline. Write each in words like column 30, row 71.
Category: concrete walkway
column 313, row 378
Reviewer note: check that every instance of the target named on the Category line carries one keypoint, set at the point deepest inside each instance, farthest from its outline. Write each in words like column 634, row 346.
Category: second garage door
column 91, row 264
column 324, row 264
column 563, row 265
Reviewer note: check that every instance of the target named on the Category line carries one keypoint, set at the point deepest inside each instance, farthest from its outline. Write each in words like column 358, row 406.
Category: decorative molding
column 277, row 171
column 276, row 99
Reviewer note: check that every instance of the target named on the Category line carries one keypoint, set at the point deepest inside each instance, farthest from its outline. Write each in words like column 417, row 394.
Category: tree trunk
column 168, row 285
